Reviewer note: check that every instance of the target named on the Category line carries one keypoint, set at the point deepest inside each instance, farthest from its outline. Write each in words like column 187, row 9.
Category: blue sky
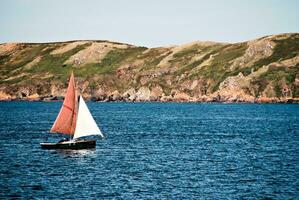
column 149, row 23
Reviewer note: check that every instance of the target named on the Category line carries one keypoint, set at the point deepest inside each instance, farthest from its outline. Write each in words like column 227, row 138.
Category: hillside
column 261, row 70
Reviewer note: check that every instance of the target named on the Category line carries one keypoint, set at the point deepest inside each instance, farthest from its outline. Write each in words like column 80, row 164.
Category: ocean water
column 154, row 151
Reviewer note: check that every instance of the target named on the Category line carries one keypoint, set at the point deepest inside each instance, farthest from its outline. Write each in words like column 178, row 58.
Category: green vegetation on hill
column 152, row 58
column 278, row 76
column 54, row 64
column 110, row 63
column 129, row 67
column 24, row 55
column 219, row 70
column 118, row 57
column 284, row 49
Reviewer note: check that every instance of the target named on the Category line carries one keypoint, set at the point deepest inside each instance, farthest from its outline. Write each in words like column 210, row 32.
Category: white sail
column 85, row 123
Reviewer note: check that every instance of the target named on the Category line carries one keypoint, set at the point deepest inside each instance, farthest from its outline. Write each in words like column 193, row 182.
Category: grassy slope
column 284, row 49
column 182, row 62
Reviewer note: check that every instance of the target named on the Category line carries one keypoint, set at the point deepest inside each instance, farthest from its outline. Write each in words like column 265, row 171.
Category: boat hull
column 83, row 144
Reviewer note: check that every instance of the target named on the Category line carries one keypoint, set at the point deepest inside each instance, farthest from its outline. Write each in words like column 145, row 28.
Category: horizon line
column 126, row 43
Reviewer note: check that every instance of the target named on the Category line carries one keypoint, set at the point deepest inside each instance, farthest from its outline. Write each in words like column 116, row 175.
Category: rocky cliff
column 261, row 70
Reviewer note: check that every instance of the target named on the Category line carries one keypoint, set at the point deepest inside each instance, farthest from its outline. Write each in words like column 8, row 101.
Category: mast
column 75, row 115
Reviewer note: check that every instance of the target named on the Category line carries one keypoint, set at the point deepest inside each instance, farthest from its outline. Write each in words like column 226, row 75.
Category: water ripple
column 154, row 151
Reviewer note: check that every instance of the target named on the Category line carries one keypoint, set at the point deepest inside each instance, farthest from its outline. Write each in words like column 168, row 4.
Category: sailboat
column 75, row 120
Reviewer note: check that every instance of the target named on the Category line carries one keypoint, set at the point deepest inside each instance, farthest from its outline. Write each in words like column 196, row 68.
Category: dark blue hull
column 83, row 144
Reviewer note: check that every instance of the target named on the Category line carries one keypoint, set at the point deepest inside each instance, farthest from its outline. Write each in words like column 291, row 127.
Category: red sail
column 66, row 119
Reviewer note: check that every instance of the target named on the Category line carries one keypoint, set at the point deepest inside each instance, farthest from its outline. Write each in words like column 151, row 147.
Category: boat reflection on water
column 76, row 153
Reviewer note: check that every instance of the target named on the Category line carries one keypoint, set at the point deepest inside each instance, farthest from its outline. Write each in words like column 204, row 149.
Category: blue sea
column 154, row 151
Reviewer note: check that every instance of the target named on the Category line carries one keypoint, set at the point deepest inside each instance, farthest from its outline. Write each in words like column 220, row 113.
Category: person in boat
column 64, row 140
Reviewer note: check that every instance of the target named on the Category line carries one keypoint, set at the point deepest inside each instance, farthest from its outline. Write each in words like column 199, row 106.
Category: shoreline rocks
column 145, row 97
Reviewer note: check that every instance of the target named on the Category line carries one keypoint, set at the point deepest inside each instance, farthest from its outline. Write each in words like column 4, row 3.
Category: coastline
column 237, row 101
